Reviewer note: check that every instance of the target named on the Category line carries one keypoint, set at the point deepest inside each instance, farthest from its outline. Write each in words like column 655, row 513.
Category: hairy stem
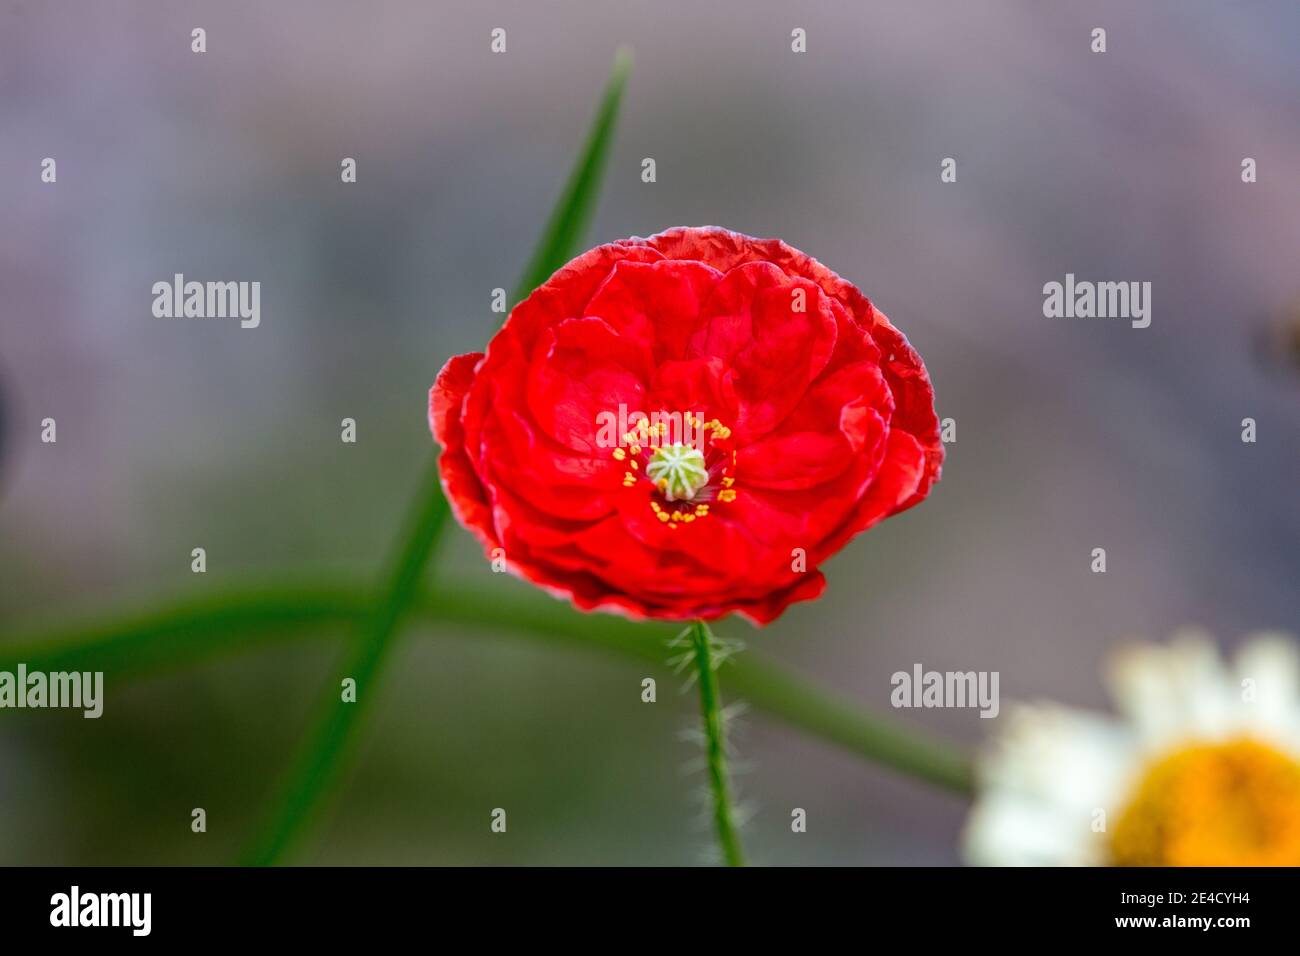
column 724, row 818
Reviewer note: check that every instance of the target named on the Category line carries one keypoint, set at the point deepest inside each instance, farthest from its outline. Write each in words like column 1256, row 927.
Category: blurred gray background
column 173, row 434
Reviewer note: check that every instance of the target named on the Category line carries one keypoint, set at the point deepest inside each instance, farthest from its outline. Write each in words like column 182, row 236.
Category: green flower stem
column 192, row 631
column 715, row 742
column 318, row 764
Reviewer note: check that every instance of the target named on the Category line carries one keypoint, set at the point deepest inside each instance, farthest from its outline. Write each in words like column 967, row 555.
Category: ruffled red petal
column 830, row 415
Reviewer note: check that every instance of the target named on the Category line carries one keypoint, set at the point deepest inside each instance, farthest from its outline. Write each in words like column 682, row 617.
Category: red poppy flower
column 805, row 416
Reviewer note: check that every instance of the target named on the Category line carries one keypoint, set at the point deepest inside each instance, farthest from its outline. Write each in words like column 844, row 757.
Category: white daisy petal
column 1174, row 691
column 1070, row 756
column 1055, row 767
column 1268, row 685
column 1048, row 770
column 1012, row 830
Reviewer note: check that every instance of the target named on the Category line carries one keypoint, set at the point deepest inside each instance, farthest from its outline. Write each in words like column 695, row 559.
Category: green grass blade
column 801, row 704
column 319, row 763
column 190, row 632
column 186, row 631
column 573, row 212
column 318, row 766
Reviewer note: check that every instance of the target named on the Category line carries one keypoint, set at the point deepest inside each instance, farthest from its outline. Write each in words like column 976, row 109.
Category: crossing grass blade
column 193, row 631
column 317, row 768
column 573, row 212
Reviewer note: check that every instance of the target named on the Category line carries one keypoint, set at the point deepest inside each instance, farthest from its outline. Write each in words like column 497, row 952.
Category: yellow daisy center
column 1235, row 803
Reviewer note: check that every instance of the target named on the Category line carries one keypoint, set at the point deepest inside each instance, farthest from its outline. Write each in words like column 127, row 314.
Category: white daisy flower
column 1201, row 769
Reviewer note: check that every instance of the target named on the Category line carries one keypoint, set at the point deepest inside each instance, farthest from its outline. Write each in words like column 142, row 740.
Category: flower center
column 678, row 471
column 1224, row 804
column 697, row 471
